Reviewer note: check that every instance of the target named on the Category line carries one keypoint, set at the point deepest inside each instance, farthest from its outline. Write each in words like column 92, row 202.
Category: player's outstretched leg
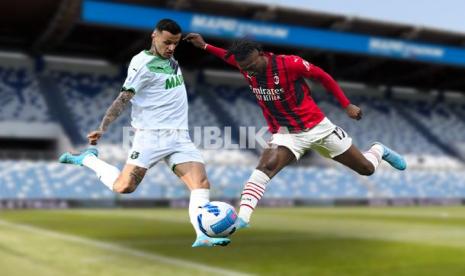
column 253, row 191
column 193, row 174
column 271, row 162
column 367, row 162
column 393, row 158
column 105, row 172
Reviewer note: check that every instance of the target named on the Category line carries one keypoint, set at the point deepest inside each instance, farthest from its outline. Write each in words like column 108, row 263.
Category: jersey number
column 339, row 132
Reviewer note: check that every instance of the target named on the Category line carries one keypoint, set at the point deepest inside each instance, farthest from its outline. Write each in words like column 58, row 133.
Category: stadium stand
column 421, row 184
column 20, row 99
column 88, row 95
column 447, row 120
column 44, row 180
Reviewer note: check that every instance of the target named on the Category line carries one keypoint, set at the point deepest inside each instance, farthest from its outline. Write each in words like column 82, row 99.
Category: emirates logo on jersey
column 267, row 94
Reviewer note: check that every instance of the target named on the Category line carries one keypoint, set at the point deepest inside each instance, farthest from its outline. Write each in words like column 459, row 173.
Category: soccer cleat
column 206, row 241
column 76, row 159
column 393, row 158
column 241, row 224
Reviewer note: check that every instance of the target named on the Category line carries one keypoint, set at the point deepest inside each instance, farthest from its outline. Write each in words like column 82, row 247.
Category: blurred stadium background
column 63, row 62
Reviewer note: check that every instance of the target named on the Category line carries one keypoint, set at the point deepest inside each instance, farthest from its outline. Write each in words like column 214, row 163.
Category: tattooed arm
column 113, row 112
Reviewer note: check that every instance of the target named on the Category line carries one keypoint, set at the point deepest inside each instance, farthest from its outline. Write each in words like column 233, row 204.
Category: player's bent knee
column 267, row 169
column 124, row 187
column 204, row 184
column 367, row 169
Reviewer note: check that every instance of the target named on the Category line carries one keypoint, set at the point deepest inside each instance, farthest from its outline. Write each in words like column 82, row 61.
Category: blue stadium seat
column 20, row 99
column 26, row 179
column 89, row 95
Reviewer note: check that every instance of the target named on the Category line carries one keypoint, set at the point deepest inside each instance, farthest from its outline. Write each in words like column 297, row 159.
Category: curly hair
column 241, row 49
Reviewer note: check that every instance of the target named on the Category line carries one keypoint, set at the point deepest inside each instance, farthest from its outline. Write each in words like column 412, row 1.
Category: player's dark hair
column 242, row 48
column 168, row 25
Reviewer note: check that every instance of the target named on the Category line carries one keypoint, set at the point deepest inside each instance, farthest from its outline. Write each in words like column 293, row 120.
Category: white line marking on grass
column 121, row 249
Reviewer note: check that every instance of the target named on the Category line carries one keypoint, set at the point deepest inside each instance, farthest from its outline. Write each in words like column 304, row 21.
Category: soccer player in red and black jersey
column 296, row 122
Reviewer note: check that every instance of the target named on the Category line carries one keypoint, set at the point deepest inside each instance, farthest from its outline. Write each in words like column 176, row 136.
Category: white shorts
column 173, row 146
column 326, row 138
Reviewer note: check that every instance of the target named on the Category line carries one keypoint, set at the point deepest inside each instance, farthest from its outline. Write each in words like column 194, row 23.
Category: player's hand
column 93, row 136
column 196, row 40
column 354, row 112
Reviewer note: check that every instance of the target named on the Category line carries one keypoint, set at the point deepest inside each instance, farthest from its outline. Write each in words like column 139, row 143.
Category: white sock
column 374, row 155
column 105, row 172
column 252, row 193
column 199, row 197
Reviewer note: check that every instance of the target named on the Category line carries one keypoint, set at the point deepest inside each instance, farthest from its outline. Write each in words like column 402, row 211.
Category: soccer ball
column 217, row 219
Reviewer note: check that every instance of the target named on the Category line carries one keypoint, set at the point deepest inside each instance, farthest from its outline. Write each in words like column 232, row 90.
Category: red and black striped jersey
column 282, row 93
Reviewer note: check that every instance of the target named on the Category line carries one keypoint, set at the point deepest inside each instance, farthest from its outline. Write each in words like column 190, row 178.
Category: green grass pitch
column 284, row 241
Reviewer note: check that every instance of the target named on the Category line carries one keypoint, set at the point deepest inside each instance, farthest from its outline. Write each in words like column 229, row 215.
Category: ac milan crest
column 276, row 79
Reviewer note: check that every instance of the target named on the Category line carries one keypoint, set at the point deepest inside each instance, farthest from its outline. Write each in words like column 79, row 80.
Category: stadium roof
column 55, row 27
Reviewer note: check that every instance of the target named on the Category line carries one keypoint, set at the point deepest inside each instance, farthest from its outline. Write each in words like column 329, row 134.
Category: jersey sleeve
column 135, row 79
column 302, row 68
column 221, row 53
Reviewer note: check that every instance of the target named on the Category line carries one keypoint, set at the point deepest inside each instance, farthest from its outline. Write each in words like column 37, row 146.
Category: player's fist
column 354, row 112
column 93, row 136
column 196, row 40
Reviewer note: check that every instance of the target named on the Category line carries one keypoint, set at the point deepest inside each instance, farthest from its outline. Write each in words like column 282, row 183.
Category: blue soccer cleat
column 206, row 241
column 393, row 158
column 76, row 159
column 241, row 224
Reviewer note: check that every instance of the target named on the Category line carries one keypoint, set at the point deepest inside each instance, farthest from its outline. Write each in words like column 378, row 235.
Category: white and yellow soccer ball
column 217, row 219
